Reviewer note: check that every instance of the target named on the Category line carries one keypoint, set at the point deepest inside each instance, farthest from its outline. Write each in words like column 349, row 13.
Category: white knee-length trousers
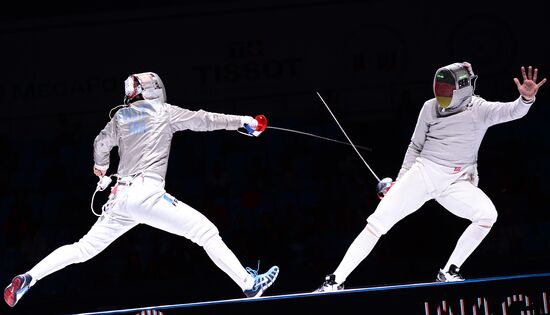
column 144, row 200
column 453, row 189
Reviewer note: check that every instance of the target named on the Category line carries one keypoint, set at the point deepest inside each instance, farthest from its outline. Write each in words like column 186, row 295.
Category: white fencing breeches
column 426, row 180
column 144, row 200
column 452, row 188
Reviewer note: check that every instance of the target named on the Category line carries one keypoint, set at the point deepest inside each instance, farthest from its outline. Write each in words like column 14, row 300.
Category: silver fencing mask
column 146, row 85
column 454, row 86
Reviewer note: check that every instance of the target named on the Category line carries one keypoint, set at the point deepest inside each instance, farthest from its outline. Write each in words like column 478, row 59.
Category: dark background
column 281, row 198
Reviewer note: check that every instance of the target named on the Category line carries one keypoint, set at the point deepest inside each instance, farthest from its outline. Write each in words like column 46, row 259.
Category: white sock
column 226, row 260
column 33, row 281
column 357, row 251
column 467, row 243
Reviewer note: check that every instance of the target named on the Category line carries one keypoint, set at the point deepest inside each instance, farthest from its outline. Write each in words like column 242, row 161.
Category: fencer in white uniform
column 142, row 130
column 441, row 164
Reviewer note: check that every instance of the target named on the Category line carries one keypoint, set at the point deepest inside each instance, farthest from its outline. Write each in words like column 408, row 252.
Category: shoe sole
column 327, row 291
column 11, row 291
column 445, row 280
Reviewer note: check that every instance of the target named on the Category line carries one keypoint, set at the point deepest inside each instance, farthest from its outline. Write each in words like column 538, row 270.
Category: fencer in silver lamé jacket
column 143, row 132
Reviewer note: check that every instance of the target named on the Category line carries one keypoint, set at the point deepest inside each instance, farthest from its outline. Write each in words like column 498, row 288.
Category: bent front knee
column 488, row 218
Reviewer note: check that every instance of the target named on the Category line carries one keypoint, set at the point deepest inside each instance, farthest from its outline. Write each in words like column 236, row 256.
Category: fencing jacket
column 453, row 141
column 143, row 133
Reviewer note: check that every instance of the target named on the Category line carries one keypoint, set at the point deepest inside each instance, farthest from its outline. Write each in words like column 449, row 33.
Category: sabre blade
column 370, row 169
column 315, row 136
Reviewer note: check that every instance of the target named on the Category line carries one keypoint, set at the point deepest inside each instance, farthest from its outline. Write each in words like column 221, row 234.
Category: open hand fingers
column 541, row 83
column 523, row 73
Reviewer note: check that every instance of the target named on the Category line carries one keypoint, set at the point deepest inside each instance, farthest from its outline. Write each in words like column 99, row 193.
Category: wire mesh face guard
column 147, row 84
column 453, row 83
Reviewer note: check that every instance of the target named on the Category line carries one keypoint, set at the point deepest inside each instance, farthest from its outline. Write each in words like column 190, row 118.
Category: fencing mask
column 146, row 85
column 454, row 86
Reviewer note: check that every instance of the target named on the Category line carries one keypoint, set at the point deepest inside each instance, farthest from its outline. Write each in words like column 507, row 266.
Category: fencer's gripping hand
column 384, row 186
column 249, row 123
column 254, row 126
column 528, row 89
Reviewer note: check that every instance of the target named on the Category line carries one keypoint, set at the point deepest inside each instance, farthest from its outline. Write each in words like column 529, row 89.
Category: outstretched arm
column 493, row 113
column 182, row 119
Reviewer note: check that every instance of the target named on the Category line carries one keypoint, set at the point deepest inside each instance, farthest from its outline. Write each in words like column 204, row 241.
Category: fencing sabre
column 316, row 136
column 345, row 134
column 383, row 185
column 262, row 125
